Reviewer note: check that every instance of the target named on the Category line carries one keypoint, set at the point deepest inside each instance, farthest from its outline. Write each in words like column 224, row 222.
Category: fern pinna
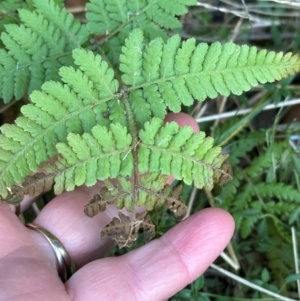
column 99, row 123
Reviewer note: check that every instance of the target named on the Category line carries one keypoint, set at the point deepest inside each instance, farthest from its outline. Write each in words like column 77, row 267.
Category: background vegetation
column 260, row 130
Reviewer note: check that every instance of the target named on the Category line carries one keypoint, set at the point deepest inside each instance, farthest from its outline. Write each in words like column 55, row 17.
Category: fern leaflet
column 109, row 16
column 97, row 156
column 177, row 151
column 280, row 191
column 37, row 48
column 175, row 74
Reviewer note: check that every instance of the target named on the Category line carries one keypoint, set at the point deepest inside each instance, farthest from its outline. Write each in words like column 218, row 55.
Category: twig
column 240, row 14
column 287, row 2
column 35, row 208
column 245, row 111
column 191, row 202
column 295, row 251
column 233, row 256
column 76, row 9
column 210, row 198
column 5, row 107
column 250, row 284
column 230, row 261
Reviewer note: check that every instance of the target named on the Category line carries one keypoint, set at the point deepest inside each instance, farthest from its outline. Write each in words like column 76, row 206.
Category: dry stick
column 238, row 13
column 295, row 251
column 287, row 2
column 191, row 202
column 36, row 209
column 250, row 284
column 76, row 9
column 260, row 10
column 245, row 111
column 5, row 107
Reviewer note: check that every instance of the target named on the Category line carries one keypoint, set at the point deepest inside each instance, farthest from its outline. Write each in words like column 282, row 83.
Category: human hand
column 153, row 272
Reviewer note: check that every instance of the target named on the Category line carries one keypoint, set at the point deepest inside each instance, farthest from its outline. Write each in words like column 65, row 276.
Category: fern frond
column 279, row 191
column 73, row 107
column 103, row 154
column 265, row 160
column 245, row 143
column 108, row 16
column 179, row 73
column 247, row 225
column 114, row 19
column 37, row 48
column 178, row 151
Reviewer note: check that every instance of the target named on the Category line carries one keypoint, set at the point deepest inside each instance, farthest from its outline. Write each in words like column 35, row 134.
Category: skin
column 153, row 272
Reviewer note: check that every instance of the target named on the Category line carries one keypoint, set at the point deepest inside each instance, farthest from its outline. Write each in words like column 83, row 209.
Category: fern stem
column 134, row 133
column 249, row 284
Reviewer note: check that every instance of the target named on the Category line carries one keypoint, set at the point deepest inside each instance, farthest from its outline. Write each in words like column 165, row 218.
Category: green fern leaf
column 114, row 19
column 245, row 143
column 37, row 48
column 180, row 73
column 247, row 225
column 8, row 11
column 73, row 107
column 280, row 191
column 100, row 155
column 243, row 198
column 265, row 160
column 172, row 150
column 109, row 16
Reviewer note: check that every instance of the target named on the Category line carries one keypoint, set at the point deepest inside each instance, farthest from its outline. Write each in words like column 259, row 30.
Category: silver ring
column 64, row 263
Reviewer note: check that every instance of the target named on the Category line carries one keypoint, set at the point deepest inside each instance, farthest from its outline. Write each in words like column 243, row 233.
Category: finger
column 183, row 119
column 159, row 269
column 27, row 268
column 64, row 216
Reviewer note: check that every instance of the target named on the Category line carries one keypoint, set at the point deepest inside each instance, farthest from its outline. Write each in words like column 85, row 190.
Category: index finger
column 159, row 269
